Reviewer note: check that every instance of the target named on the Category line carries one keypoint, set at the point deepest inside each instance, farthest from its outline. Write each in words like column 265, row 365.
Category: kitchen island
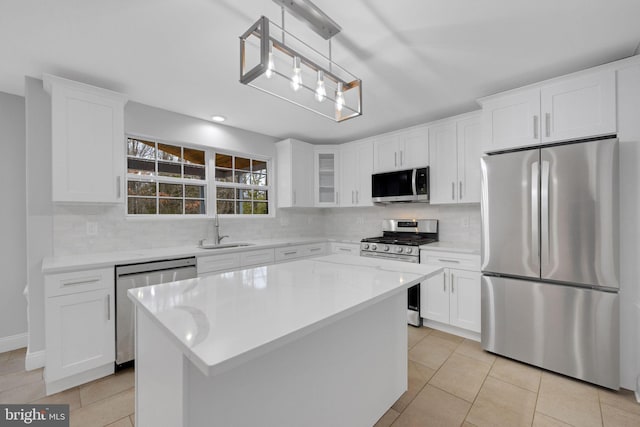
column 313, row 342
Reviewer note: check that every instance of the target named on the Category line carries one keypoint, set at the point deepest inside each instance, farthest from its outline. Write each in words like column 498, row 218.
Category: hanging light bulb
column 321, row 92
column 296, row 78
column 270, row 65
column 339, row 98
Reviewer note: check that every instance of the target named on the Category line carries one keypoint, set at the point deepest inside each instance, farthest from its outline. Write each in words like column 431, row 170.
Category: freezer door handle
column 544, row 213
column 535, row 248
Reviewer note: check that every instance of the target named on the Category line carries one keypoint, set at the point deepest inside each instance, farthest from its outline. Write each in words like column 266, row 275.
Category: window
column 164, row 179
column 242, row 185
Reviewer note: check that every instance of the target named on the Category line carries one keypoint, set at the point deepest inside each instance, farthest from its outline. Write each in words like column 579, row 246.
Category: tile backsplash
column 91, row 229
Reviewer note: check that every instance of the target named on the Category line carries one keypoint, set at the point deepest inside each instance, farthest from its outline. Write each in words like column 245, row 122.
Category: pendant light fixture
column 277, row 62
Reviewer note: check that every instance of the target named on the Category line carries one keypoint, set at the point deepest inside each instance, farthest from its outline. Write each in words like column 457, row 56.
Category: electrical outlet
column 92, row 228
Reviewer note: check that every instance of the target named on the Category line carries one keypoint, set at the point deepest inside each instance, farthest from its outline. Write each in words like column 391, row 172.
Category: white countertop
column 109, row 259
column 460, row 247
column 223, row 320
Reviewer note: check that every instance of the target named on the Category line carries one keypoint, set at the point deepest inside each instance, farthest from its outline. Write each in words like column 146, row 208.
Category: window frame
column 209, row 183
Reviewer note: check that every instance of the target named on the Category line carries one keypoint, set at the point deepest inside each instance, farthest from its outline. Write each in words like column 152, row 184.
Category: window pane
column 170, row 153
column 194, row 207
column 259, row 166
column 141, row 167
column 141, row 149
column 170, row 169
column 260, row 208
column 224, row 207
column 224, row 161
column 260, row 195
column 244, row 208
column 225, row 193
column 195, row 157
column 224, row 175
column 243, row 164
column 138, row 188
column 243, row 177
column 259, row 179
column 170, row 190
column 170, row 206
column 243, row 194
column 194, row 191
column 194, row 172
column 139, row 206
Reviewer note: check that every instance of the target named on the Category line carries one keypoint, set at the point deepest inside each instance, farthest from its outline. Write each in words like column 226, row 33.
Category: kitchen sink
column 224, row 245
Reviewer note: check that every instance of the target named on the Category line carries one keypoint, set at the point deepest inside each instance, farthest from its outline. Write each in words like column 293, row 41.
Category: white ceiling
column 419, row 60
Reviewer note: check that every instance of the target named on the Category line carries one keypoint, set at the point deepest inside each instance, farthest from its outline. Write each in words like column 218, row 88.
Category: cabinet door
column 220, row 262
column 465, row 299
column 434, row 298
column 443, row 177
column 469, row 136
column 414, row 149
column 80, row 333
column 365, row 170
column 579, row 107
column 87, row 142
column 302, row 182
column 385, row 153
column 348, row 174
column 512, row 121
column 326, row 178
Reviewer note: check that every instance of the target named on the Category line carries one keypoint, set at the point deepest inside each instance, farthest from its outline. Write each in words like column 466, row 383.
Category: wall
column 116, row 232
column 13, row 306
column 39, row 209
column 457, row 223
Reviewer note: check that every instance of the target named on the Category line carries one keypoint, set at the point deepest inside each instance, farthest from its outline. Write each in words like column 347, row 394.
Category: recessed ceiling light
column 218, row 119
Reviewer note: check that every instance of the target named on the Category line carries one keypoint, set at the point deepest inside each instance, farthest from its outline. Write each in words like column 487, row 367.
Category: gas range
column 401, row 239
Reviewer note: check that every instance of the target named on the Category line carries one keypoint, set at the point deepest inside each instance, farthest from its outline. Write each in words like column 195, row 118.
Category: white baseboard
column 34, row 360
column 66, row 383
column 454, row 330
column 13, row 342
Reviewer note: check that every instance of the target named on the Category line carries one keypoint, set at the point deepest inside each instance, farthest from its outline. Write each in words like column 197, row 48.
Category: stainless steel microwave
column 409, row 185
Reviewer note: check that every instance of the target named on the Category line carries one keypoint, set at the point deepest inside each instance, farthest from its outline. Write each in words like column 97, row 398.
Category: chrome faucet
column 216, row 231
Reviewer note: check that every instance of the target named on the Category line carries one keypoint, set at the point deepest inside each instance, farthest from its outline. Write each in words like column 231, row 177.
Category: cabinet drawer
column 300, row 251
column 345, row 248
column 78, row 281
column 260, row 257
column 451, row 259
column 315, row 250
column 221, row 262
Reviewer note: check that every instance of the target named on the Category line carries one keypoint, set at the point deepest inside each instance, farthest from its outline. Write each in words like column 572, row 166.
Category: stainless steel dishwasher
column 134, row 276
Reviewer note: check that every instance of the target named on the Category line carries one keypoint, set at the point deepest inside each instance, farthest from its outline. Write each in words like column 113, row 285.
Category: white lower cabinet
column 80, row 327
column 289, row 253
column 453, row 296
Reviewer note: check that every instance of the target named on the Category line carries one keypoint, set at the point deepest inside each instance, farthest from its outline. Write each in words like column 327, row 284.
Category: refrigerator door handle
column 535, row 248
column 544, row 214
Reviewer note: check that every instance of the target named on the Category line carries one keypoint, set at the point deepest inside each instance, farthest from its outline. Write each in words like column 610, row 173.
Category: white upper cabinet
column 568, row 108
column 455, row 147
column 294, row 173
column 356, row 160
column 401, row 150
column 87, row 142
column 327, row 170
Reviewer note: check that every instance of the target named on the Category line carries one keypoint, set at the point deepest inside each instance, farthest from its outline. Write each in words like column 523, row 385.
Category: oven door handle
column 413, row 182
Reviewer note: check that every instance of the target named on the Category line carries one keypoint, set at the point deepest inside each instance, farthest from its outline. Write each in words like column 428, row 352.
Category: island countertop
column 224, row 320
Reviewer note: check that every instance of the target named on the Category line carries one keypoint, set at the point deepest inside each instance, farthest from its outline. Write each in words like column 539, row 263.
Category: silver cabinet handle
column 453, row 191
column 452, row 284
column 357, row 197
column 547, row 124
column 83, row 281
column 455, row 261
column 118, row 187
column 444, row 282
column 344, row 249
column 108, row 307
column 352, row 197
column 395, row 159
column 315, row 249
column 401, row 158
column 460, row 192
column 535, row 127
column 290, row 253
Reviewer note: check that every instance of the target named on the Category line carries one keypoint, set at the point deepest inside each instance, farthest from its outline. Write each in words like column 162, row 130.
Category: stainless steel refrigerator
column 550, row 269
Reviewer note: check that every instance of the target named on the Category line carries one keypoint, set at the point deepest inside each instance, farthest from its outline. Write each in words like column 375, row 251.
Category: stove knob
column 386, row 248
column 374, row 247
column 409, row 250
column 365, row 246
column 399, row 249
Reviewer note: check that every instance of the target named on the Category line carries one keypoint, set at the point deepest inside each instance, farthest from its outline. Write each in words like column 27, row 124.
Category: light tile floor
column 452, row 382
